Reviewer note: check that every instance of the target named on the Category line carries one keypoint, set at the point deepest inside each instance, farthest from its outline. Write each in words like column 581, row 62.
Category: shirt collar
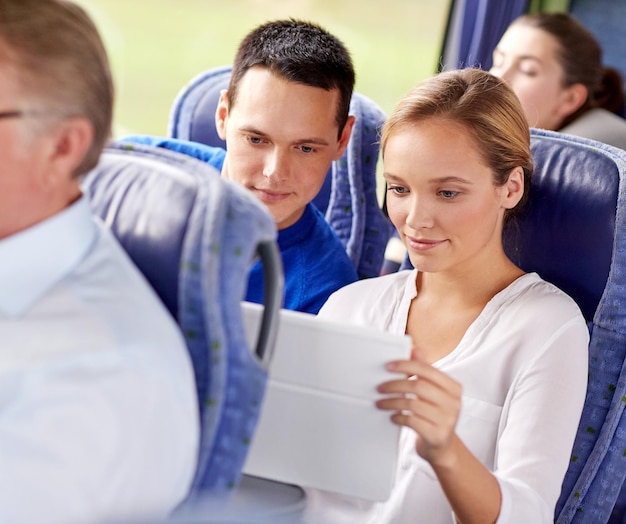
column 35, row 259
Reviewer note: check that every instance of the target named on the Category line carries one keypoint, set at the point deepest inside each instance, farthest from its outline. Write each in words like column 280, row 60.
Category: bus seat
column 573, row 233
column 194, row 236
column 566, row 232
column 192, row 117
column 350, row 202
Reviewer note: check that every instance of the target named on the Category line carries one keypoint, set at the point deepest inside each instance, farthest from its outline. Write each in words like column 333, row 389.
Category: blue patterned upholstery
column 349, row 201
column 194, row 236
column 192, row 116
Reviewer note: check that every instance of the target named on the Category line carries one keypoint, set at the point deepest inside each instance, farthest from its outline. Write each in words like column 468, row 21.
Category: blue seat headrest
column 200, row 97
column 166, row 194
column 566, row 231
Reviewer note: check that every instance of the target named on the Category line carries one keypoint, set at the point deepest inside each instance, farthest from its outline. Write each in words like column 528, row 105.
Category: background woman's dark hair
column 580, row 57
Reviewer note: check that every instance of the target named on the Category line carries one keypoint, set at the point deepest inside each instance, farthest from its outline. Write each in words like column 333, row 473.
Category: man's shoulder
column 212, row 155
column 322, row 248
column 316, row 264
column 99, row 309
column 318, row 231
column 113, row 289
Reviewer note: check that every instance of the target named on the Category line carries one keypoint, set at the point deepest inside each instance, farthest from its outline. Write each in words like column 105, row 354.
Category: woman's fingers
column 426, row 400
column 419, row 376
column 444, row 415
column 421, row 397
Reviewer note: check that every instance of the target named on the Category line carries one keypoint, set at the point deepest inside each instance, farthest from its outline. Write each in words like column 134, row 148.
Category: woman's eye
column 398, row 190
column 528, row 68
column 448, row 194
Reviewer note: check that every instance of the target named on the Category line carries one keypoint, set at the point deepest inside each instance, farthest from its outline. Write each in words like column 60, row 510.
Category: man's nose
column 276, row 164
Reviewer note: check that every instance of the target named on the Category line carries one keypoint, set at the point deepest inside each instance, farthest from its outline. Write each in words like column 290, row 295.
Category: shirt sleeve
column 534, row 447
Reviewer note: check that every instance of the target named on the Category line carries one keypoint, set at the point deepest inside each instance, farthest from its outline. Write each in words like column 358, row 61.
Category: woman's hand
column 429, row 402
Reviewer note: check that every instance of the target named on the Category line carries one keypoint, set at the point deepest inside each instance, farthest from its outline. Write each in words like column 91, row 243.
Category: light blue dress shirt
column 98, row 411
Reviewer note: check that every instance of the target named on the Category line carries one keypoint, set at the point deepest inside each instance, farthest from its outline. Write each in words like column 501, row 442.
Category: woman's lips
column 423, row 244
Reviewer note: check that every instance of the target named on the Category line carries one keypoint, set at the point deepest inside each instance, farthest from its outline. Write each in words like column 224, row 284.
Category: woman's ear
column 572, row 99
column 513, row 188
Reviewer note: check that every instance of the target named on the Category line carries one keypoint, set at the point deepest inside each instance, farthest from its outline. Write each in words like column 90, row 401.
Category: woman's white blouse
column 523, row 367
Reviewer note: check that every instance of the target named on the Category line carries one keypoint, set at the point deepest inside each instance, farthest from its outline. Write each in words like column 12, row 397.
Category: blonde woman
column 491, row 399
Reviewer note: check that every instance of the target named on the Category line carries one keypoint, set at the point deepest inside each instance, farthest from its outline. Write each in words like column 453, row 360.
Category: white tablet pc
column 319, row 427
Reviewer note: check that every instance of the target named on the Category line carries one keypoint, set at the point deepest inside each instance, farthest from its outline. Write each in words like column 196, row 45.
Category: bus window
column 157, row 46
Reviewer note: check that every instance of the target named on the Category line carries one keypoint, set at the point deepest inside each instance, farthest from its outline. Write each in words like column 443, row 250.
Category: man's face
column 281, row 138
column 35, row 173
column 20, row 184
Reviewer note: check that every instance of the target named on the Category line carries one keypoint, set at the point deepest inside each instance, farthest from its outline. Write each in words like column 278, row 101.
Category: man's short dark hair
column 301, row 52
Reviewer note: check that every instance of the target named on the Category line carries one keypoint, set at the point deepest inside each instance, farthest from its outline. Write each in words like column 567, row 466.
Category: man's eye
column 254, row 139
column 306, row 149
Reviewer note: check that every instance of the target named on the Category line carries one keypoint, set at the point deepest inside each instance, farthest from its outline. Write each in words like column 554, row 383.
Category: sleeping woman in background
column 554, row 65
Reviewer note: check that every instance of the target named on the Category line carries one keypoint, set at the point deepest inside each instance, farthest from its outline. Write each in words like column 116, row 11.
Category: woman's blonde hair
column 485, row 106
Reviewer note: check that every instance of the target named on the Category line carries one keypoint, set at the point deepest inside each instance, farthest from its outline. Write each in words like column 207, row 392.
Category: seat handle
column 274, row 284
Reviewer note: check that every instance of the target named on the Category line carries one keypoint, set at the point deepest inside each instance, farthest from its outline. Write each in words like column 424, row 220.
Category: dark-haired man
column 285, row 120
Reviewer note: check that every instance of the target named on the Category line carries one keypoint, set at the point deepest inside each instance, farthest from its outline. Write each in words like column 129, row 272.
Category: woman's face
column 526, row 58
column 442, row 199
